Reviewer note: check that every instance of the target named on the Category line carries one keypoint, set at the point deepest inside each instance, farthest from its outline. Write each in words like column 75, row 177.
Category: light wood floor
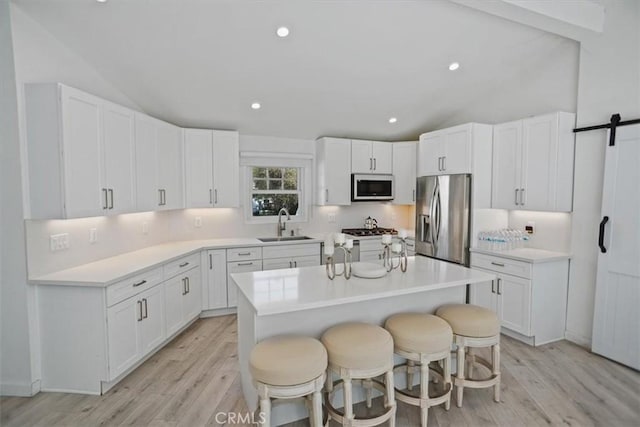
column 196, row 376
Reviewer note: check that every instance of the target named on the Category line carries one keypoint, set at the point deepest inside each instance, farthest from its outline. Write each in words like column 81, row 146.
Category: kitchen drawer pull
column 244, row 253
column 135, row 285
column 499, row 264
column 244, row 263
column 184, row 264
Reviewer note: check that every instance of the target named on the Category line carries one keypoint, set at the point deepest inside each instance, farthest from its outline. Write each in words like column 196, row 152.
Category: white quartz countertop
column 110, row 270
column 284, row 291
column 525, row 254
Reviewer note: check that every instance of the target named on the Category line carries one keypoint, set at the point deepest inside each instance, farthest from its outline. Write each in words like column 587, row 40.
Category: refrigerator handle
column 438, row 214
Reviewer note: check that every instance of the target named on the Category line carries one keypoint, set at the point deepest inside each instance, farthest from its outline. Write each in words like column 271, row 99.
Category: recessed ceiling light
column 282, row 31
column 454, row 66
column 393, row 120
column 101, row 1
column 256, row 106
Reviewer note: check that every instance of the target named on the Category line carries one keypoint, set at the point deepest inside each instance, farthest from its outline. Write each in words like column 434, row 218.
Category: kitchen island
column 305, row 301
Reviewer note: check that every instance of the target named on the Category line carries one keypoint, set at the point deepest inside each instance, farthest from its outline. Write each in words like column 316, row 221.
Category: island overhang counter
column 305, row 301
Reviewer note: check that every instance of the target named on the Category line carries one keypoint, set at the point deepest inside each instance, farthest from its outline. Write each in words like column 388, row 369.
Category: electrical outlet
column 93, row 235
column 59, row 242
column 198, row 222
column 331, row 218
column 145, row 227
column 530, row 227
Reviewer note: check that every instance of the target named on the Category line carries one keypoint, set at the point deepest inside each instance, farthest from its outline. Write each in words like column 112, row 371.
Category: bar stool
column 359, row 353
column 288, row 367
column 474, row 327
column 422, row 338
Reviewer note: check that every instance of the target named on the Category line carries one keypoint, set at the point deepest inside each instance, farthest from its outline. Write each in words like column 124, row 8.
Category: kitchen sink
column 283, row 239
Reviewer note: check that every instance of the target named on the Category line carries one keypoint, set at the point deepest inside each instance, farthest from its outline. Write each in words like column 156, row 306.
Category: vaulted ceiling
column 345, row 69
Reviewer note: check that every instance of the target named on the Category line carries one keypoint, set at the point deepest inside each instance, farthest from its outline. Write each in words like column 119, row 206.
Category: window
column 273, row 180
column 274, row 188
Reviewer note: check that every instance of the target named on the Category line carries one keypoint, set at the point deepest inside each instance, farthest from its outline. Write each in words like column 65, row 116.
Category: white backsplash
column 552, row 229
column 124, row 233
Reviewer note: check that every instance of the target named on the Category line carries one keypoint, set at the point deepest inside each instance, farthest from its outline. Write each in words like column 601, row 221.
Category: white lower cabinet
column 214, row 293
column 290, row 256
column 529, row 298
column 182, row 299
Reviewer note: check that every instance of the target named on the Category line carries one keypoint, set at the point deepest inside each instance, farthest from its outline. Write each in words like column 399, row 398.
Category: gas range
column 361, row 232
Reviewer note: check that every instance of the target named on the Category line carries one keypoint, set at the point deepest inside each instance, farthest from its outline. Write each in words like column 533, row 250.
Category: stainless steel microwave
column 369, row 187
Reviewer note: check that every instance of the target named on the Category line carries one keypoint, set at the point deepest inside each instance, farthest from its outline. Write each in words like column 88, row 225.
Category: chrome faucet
column 281, row 225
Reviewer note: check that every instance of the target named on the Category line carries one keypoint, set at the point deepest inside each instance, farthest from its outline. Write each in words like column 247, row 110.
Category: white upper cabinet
column 404, row 172
column 446, row 151
column 533, row 163
column 460, row 149
column 158, row 164
column 80, row 153
column 333, row 169
column 211, row 168
column 371, row 157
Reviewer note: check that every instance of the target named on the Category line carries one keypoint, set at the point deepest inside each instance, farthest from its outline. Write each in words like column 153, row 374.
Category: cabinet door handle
column 245, row 263
column 499, row 264
column 184, row 286
column 375, row 163
column 188, row 285
column 493, row 286
column 135, row 285
column 516, row 200
column 210, row 262
column 603, row 224
column 139, row 311
column 160, row 197
column 146, row 308
column 522, row 197
column 370, row 163
column 106, row 199
column 499, row 290
column 444, row 163
column 295, row 264
column 290, row 264
column 111, row 198
column 414, row 195
column 210, row 196
column 326, row 195
column 215, row 196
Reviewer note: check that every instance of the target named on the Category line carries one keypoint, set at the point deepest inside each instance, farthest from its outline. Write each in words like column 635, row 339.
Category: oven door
column 371, row 187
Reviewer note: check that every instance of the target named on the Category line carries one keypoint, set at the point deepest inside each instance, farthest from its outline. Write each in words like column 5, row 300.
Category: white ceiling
column 345, row 69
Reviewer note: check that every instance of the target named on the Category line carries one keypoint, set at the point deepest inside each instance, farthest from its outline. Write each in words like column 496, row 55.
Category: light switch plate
column 198, row 222
column 331, row 218
column 93, row 235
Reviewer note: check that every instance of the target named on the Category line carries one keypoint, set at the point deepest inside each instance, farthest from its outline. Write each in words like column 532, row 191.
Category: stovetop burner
column 378, row 231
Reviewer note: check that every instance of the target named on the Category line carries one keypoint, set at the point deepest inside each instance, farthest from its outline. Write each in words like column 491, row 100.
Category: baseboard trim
column 22, row 390
column 218, row 312
column 579, row 339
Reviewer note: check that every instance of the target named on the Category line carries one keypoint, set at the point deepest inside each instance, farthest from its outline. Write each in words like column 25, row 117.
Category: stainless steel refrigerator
column 443, row 217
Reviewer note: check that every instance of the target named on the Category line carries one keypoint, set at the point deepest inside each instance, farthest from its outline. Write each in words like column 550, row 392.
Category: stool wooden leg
column 316, row 409
column 410, row 369
column 424, row 394
column 265, row 408
column 348, row 401
column 495, row 363
column 471, row 360
column 447, row 379
column 390, row 399
column 368, row 386
column 460, row 375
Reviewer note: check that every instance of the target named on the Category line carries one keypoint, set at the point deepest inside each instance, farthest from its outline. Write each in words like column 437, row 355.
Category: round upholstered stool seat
column 287, row 367
column 359, row 353
column 470, row 320
column 421, row 339
column 473, row 327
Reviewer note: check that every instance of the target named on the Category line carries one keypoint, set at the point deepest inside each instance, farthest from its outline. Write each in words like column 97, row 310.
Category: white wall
column 552, row 230
column 609, row 82
column 18, row 368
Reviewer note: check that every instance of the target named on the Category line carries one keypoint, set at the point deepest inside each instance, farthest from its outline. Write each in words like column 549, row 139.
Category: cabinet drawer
column 181, row 265
column 133, row 285
column 239, row 254
column 291, row 262
column 288, row 251
column 502, row 265
column 244, row 266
